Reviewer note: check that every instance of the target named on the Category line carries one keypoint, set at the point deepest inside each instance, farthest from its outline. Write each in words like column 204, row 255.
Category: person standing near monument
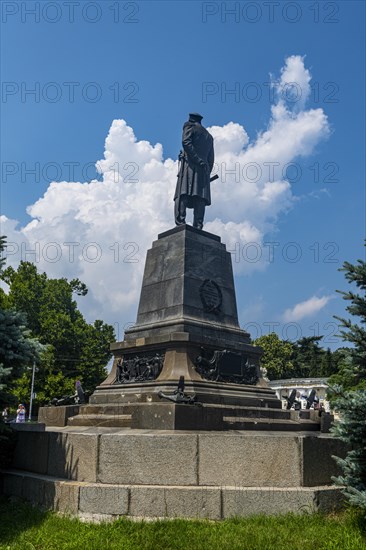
column 196, row 162
column 5, row 414
column 20, row 414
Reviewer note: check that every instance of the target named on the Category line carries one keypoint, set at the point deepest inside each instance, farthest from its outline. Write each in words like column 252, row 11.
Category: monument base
column 100, row 473
column 187, row 346
column 57, row 416
column 183, row 426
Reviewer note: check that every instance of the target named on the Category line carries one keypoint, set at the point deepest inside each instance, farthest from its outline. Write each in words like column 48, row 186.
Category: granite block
column 33, row 490
column 104, row 499
column 318, row 464
column 67, row 497
column 241, row 502
column 57, row 416
column 172, row 502
column 249, row 460
column 13, row 485
column 149, row 459
column 73, row 456
column 31, row 452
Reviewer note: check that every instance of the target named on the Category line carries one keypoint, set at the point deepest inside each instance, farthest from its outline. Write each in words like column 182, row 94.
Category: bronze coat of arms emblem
column 211, row 296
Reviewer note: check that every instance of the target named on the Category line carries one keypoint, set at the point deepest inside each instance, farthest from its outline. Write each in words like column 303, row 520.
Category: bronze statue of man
column 196, row 162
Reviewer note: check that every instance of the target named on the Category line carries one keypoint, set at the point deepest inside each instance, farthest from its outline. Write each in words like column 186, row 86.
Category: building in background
column 283, row 388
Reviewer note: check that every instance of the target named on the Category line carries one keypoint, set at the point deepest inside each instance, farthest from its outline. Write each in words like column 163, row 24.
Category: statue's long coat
column 194, row 180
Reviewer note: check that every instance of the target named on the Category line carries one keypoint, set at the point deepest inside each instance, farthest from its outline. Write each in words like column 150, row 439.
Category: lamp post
column 32, row 388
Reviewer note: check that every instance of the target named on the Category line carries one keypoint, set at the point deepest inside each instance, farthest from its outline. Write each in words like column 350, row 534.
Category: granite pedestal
column 187, row 326
column 135, row 450
column 187, row 329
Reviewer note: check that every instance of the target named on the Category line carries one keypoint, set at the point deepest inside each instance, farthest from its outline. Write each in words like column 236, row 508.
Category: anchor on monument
column 178, row 396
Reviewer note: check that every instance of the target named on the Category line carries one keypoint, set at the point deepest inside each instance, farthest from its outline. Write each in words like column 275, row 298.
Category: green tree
column 49, row 382
column 76, row 350
column 26, row 287
column 307, row 357
column 4, row 372
column 276, row 357
column 95, row 353
column 3, row 296
column 327, row 365
column 352, row 404
column 17, row 348
column 301, row 359
column 351, row 428
column 355, row 333
column 343, row 373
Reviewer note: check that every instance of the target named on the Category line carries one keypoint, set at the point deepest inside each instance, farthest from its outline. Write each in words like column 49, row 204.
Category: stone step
column 250, row 412
column 105, row 420
column 207, row 392
column 104, row 409
column 102, row 501
column 254, row 412
column 237, row 418
column 250, row 423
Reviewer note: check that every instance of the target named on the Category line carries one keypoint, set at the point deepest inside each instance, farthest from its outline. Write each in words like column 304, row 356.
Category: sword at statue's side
column 180, row 159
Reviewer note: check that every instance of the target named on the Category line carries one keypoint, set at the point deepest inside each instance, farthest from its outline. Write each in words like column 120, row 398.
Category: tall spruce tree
column 355, row 333
column 17, row 348
column 352, row 404
column 4, row 372
column 351, row 428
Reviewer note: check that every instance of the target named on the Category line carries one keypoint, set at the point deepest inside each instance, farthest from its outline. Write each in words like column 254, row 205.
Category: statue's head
column 195, row 117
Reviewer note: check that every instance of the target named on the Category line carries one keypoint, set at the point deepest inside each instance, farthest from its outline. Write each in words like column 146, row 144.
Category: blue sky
column 149, row 64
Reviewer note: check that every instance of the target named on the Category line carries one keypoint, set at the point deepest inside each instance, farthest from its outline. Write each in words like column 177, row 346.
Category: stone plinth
column 187, row 326
column 128, row 456
column 92, row 501
column 143, row 473
column 188, row 284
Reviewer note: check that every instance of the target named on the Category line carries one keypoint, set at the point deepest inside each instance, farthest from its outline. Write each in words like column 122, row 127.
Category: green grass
column 25, row 527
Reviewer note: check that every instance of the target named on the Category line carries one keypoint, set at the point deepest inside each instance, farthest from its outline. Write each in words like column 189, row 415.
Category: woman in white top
column 20, row 414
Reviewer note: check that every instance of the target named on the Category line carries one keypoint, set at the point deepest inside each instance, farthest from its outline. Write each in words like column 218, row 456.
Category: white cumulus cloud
column 305, row 309
column 293, row 86
column 99, row 231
